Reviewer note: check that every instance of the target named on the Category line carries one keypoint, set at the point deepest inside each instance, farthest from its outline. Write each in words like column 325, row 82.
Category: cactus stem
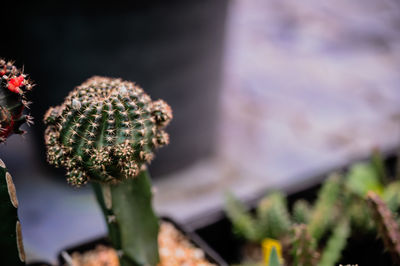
column 131, row 222
column 11, row 244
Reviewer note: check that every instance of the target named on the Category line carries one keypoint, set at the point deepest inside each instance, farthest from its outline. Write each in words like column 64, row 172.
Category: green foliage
column 301, row 212
column 243, row 223
column 272, row 219
column 11, row 245
column 359, row 215
column 391, row 196
column 340, row 209
column 378, row 166
column 336, row 243
column 362, row 178
column 325, row 210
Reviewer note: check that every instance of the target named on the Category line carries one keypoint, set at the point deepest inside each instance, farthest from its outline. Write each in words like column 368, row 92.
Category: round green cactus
column 105, row 130
column 13, row 87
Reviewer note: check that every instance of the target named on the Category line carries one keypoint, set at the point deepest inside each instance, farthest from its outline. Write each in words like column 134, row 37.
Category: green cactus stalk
column 105, row 132
column 325, row 210
column 243, row 223
column 13, row 87
column 303, row 249
column 387, row 227
column 273, row 216
column 11, row 245
column 336, row 243
column 301, row 212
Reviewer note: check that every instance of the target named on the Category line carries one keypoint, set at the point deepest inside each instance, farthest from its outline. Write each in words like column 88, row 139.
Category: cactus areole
column 13, row 86
column 106, row 131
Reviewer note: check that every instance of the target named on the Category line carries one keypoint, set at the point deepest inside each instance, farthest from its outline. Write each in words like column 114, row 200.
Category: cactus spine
column 105, row 132
column 13, row 87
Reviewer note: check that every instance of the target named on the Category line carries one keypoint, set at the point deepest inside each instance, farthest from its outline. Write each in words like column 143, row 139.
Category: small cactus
column 106, row 131
column 273, row 216
column 336, row 243
column 13, row 87
column 325, row 210
column 303, row 249
column 301, row 212
column 272, row 219
column 243, row 222
column 387, row 227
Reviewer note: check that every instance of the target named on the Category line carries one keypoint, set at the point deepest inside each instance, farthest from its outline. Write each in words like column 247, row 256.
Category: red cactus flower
column 15, row 83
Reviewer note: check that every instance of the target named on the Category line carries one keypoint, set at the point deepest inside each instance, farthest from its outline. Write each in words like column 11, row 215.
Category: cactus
column 273, row 217
column 105, row 132
column 363, row 177
column 324, row 212
column 387, row 227
column 391, row 196
column 11, row 245
column 13, row 87
column 303, row 249
column 301, row 212
column 336, row 243
column 243, row 223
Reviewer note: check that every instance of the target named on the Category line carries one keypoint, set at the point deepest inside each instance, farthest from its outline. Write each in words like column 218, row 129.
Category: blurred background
column 265, row 94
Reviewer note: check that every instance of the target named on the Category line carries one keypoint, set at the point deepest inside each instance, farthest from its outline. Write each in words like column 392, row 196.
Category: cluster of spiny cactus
column 13, row 87
column 301, row 232
column 319, row 233
column 106, row 131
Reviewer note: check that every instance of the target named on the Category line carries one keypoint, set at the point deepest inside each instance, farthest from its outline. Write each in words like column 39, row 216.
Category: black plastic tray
column 210, row 254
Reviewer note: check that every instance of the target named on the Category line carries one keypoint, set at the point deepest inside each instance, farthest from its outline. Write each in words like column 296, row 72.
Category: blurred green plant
column 322, row 228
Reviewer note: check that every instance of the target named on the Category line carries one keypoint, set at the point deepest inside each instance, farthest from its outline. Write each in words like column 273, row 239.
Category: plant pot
column 172, row 49
column 210, row 254
column 364, row 249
